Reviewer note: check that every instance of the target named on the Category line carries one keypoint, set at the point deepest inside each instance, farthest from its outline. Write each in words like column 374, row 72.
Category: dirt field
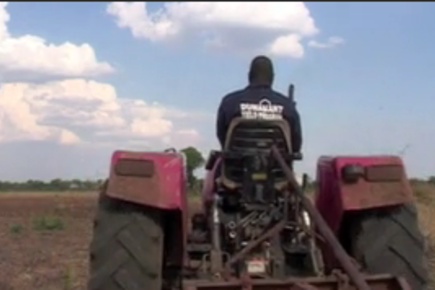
column 44, row 239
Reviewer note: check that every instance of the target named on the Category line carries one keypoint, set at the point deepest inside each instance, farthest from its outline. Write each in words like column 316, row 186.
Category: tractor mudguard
column 148, row 178
column 359, row 183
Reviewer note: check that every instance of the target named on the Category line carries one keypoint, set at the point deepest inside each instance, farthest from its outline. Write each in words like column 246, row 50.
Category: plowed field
column 44, row 239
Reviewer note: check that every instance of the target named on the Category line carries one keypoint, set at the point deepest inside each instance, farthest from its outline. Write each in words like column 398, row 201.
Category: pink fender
column 149, row 178
column 383, row 183
column 334, row 196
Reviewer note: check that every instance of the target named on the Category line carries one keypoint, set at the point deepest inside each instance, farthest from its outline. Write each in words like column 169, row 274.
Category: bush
column 48, row 223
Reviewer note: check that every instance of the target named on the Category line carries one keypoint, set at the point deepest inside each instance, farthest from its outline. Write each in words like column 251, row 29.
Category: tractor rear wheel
column 126, row 250
column 389, row 241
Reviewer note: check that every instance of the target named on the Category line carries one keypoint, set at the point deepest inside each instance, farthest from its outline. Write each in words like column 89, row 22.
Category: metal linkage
column 341, row 255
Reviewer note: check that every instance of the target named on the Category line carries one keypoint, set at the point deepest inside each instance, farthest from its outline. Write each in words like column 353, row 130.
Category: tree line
column 92, row 185
column 194, row 160
column 53, row 185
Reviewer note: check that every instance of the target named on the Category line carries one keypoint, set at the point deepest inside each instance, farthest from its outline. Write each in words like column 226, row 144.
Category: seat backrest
column 256, row 137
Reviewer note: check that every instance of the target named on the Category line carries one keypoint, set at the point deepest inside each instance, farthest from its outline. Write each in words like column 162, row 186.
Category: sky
column 80, row 80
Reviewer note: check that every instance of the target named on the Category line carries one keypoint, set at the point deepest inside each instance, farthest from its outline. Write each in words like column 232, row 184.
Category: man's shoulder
column 234, row 94
column 279, row 98
column 279, row 95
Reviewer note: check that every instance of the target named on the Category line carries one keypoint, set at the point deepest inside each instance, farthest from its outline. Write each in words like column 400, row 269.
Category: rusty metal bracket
column 343, row 279
column 379, row 282
column 303, row 286
column 246, row 281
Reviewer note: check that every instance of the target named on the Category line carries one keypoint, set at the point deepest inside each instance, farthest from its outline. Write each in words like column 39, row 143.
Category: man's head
column 261, row 71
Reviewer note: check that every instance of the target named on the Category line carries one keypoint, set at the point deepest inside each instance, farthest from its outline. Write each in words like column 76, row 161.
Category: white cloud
column 4, row 18
column 78, row 110
column 63, row 108
column 30, row 57
column 288, row 45
column 263, row 27
column 330, row 43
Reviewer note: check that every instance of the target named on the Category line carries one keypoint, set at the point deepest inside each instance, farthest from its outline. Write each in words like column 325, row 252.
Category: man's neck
column 260, row 84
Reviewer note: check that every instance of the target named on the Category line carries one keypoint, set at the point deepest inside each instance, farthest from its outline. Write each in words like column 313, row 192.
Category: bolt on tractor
column 256, row 228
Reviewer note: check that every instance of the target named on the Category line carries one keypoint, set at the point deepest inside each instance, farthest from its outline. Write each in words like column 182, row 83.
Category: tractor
column 256, row 227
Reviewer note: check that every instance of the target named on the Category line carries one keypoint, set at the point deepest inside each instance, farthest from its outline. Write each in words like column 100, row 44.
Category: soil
column 44, row 240
column 50, row 257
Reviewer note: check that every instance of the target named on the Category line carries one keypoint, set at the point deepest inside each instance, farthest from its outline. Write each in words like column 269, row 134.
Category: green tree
column 194, row 160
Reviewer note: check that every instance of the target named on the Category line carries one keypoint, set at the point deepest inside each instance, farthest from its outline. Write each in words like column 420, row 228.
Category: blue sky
column 371, row 93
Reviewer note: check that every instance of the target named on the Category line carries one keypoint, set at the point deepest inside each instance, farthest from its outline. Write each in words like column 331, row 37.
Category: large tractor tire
column 127, row 247
column 389, row 241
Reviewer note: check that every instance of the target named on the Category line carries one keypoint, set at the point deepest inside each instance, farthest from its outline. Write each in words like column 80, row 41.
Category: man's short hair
column 261, row 70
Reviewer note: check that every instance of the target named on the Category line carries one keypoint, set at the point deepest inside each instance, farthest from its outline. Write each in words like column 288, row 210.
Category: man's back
column 258, row 101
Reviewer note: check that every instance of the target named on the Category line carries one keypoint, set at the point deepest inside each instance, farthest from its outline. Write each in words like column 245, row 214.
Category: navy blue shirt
column 247, row 102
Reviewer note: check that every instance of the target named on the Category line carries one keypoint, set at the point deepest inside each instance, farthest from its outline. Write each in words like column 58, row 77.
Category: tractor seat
column 247, row 137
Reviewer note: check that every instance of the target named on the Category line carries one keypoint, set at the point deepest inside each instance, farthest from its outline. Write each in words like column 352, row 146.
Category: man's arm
column 296, row 131
column 221, row 129
column 293, row 117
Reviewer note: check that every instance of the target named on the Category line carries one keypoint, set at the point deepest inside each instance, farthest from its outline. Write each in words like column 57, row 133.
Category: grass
column 67, row 279
column 16, row 228
column 424, row 192
column 48, row 223
column 425, row 199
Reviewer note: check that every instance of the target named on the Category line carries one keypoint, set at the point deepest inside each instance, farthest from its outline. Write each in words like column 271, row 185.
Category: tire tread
column 127, row 247
column 390, row 241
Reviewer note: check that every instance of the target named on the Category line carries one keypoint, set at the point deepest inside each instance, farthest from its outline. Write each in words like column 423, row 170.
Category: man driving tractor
column 259, row 101
column 256, row 228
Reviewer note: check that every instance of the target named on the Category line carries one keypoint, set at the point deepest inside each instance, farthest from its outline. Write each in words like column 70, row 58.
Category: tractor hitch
column 375, row 282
